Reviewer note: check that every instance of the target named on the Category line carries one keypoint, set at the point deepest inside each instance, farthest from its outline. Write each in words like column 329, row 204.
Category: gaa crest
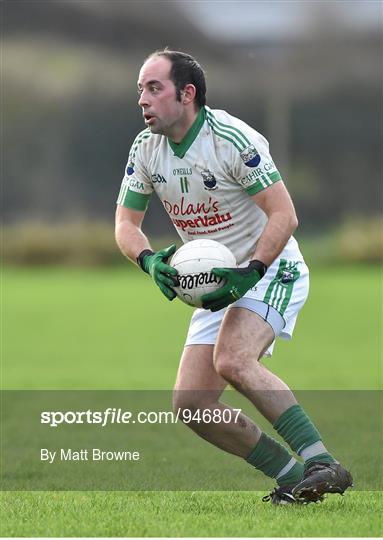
column 209, row 180
column 130, row 168
column 250, row 156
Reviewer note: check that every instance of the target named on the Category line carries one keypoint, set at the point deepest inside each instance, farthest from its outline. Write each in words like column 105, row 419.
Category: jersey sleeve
column 253, row 167
column 136, row 186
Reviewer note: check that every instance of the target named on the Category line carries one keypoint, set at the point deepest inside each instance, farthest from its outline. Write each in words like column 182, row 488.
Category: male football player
column 216, row 179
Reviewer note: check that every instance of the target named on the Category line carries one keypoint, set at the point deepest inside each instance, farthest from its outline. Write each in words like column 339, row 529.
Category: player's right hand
column 154, row 264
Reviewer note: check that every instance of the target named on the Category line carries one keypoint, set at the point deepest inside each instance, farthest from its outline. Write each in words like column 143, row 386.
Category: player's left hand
column 238, row 282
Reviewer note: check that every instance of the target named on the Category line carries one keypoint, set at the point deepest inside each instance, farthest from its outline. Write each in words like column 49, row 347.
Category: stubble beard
column 156, row 130
column 163, row 127
column 159, row 128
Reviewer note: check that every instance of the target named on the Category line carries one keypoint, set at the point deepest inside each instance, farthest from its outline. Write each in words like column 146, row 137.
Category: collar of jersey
column 181, row 148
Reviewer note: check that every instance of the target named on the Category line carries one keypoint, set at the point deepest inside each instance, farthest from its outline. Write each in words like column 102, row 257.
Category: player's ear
column 188, row 94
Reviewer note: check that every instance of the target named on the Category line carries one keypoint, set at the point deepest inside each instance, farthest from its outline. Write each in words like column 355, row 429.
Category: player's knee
column 234, row 366
column 229, row 367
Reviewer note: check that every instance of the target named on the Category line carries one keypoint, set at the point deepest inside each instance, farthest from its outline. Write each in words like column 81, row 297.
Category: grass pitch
column 111, row 329
column 186, row 514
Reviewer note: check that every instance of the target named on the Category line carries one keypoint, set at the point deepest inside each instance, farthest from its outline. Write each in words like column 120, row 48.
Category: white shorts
column 277, row 298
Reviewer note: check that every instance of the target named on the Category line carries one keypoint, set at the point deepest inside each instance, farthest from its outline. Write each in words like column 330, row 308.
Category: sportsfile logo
column 111, row 415
column 114, row 415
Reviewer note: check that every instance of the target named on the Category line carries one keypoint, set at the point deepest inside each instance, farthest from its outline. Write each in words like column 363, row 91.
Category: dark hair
column 185, row 70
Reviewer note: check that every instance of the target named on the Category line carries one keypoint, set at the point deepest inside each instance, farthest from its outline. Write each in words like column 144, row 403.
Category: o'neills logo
column 189, row 281
column 207, row 212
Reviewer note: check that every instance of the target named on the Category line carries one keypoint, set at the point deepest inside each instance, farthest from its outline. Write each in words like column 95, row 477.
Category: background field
column 110, row 329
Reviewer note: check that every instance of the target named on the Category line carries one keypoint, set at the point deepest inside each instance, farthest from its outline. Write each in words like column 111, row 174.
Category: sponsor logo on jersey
column 209, row 180
column 158, row 179
column 207, row 214
column 190, row 209
column 202, row 221
column 250, row 156
column 178, row 172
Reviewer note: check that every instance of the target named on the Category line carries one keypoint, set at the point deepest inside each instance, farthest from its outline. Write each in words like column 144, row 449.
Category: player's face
column 160, row 108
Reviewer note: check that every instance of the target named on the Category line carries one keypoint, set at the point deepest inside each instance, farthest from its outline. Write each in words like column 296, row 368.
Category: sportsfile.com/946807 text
column 113, row 415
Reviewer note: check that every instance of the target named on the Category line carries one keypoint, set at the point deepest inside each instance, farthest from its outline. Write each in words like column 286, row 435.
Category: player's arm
column 276, row 202
column 129, row 236
column 134, row 244
column 265, row 186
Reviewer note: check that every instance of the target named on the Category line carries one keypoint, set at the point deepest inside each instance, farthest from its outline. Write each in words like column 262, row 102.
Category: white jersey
column 206, row 181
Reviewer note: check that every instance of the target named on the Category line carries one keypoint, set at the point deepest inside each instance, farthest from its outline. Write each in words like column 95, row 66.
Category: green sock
column 296, row 428
column 293, row 476
column 275, row 461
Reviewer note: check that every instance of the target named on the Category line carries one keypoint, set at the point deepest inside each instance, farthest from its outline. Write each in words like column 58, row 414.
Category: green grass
column 186, row 514
column 111, row 329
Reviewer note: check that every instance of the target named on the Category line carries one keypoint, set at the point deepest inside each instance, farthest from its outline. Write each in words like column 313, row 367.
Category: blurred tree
column 69, row 107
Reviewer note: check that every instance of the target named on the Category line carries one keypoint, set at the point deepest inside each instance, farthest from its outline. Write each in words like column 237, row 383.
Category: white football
column 194, row 261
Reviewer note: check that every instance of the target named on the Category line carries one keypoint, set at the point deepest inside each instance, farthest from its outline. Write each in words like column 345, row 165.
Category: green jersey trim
column 134, row 200
column 223, row 135
column 181, row 148
column 145, row 134
column 141, row 134
column 140, row 138
column 264, row 181
column 278, row 294
column 231, row 131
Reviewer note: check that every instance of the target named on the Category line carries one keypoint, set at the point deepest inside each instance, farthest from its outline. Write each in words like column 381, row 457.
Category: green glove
column 238, row 282
column 154, row 264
